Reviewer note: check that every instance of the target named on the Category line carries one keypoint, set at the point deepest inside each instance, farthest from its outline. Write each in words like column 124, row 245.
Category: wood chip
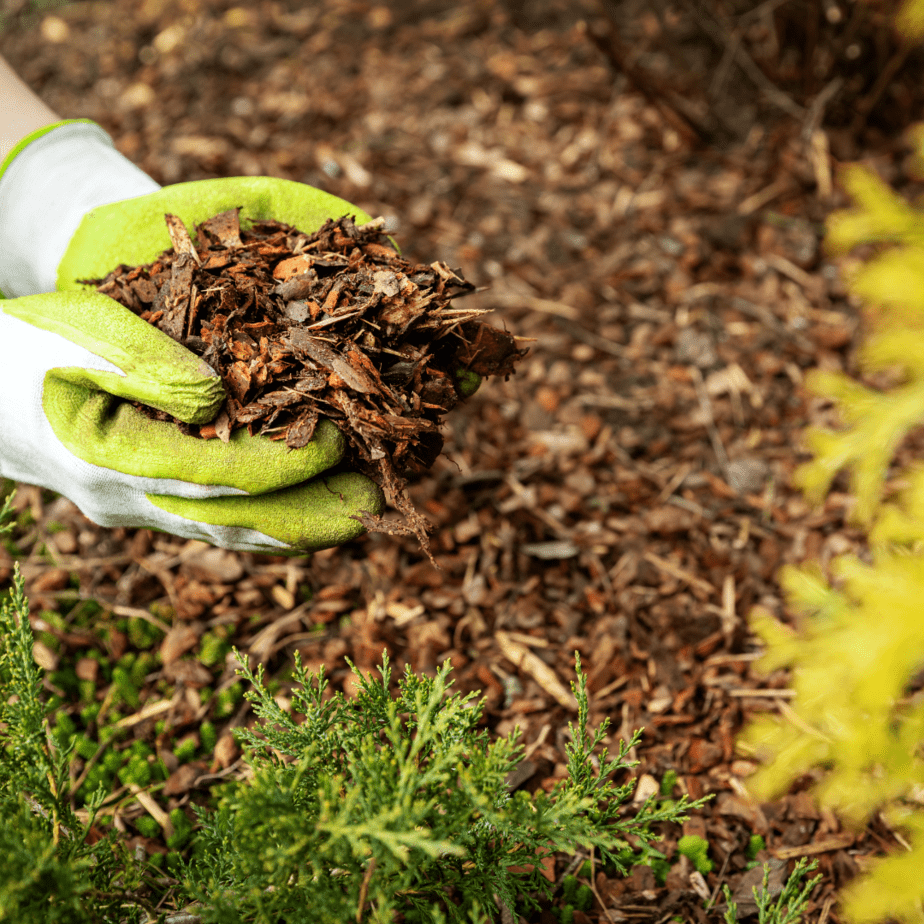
column 531, row 664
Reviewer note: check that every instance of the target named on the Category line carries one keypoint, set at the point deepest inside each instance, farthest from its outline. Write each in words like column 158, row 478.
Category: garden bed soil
column 628, row 494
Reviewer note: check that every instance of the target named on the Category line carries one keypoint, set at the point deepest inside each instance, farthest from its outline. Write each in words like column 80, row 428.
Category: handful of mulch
column 333, row 324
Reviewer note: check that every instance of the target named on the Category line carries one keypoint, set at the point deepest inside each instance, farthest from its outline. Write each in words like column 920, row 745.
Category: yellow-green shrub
column 859, row 641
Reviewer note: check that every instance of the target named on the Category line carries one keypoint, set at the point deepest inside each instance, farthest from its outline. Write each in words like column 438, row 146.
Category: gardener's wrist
column 21, row 111
column 49, row 181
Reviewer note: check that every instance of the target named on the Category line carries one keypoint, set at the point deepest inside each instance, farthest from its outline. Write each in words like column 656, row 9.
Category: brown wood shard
column 225, row 228
column 177, row 301
column 324, row 354
column 179, row 236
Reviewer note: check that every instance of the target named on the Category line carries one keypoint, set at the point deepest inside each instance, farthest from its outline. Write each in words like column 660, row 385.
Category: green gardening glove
column 74, row 356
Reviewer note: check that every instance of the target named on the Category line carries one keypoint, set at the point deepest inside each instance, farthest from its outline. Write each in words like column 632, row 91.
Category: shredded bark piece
column 333, row 324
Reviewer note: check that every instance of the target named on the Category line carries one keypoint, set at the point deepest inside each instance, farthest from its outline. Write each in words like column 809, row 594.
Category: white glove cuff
column 44, row 193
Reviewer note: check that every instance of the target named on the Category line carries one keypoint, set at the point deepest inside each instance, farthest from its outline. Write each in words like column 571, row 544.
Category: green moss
column 143, row 634
column 213, row 649
column 110, row 733
column 86, row 747
column 755, row 845
column 83, row 612
column 228, row 700
column 87, row 690
column 185, row 751
column 660, row 868
column 208, row 737
column 144, row 664
column 64, row 725
column 126, row 689
column 137, row 771
column 182, row 830
column 584, row 898
column 140, row 749
column 66, row 679
column 147, row 826
column 696, row 849
column 668, row 782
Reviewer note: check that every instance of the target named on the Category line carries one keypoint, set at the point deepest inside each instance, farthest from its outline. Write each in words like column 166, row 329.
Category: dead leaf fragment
column 180, row 639
column 182, row 780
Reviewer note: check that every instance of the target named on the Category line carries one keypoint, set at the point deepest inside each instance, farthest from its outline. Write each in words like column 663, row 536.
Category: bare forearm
column 21, row 111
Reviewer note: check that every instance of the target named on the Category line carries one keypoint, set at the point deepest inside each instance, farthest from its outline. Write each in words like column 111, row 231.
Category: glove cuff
column 49, row 181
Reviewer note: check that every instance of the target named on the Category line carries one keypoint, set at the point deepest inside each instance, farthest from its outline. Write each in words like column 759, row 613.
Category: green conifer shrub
column 786, row 908
column 858, row 646
column 397, row 804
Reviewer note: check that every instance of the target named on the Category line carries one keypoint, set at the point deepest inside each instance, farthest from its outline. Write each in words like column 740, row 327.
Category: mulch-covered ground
column 627, row 493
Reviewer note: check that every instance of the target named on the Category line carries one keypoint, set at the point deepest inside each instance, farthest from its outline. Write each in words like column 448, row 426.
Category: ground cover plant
column 381, row 805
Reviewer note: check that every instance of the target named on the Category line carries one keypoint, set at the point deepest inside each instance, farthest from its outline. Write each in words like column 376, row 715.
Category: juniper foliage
column 376, row 805
column 49, row 873
column 788, row 907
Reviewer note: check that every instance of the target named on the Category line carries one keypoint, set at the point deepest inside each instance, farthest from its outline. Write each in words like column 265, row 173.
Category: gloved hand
column 71, row 356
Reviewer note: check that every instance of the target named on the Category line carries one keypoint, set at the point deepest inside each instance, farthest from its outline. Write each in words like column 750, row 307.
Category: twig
column 767, row 7
column 593, row 888
column 534, row 303
column 703, row 396
column 135, row 612
column 126, row 896
column 718, row 885
column 865, row 105
column 772, row 321
column 364, row 889
column 579, row 332
column 723, row 37
column 816, row 109
column 89, row 765
column 681, row 574
column 800, row 723
column 153, row 809
column 758, row 693
column 678, row 478
column 654, row 91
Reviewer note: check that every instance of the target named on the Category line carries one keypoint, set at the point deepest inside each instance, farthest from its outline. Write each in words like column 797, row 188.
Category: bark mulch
column 627, row 494
column 331, row 323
